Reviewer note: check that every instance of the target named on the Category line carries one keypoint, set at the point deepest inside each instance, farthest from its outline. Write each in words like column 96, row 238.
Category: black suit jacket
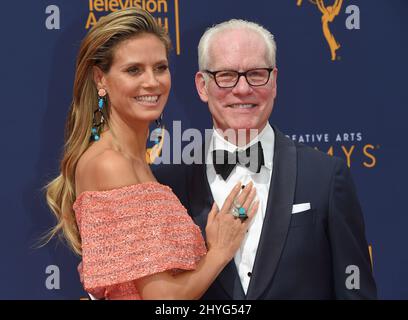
column 300, row 256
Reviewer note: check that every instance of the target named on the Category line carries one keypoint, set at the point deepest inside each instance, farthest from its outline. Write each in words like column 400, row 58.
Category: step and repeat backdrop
column 342, row 88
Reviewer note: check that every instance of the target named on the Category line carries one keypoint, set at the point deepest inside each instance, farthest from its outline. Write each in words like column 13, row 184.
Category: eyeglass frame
column 240, row 74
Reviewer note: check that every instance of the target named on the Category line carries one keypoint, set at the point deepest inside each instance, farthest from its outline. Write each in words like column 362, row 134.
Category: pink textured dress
column 132, row 232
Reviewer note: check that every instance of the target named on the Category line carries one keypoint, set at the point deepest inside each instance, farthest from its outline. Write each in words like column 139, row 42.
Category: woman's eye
column 133, row 70
column 162, row 68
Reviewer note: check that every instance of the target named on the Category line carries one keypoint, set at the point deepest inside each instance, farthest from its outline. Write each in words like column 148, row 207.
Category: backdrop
column 350, row 102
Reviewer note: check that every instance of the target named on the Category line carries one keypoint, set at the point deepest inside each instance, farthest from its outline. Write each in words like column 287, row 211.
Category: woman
column 132, row 232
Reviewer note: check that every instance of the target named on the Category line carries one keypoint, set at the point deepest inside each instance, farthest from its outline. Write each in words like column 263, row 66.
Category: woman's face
column 138, row 82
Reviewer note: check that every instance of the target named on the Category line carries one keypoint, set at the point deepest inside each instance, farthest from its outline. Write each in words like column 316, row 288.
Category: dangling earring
column 158, row 138
column 98, row 118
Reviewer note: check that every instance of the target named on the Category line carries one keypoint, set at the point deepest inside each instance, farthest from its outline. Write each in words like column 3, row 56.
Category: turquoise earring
column 157, row 133
column 98, row 118
column 158, row 137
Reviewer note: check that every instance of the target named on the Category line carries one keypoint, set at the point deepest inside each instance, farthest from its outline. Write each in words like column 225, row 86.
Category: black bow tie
column 252, row 158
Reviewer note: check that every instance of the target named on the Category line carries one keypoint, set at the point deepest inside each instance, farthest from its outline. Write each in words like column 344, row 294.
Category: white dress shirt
column 220, row 188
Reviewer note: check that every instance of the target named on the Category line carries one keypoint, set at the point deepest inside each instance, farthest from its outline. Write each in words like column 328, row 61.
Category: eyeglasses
column 229, row 78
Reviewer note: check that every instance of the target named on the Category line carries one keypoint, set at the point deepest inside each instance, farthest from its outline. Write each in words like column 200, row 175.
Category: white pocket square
column 297, row 208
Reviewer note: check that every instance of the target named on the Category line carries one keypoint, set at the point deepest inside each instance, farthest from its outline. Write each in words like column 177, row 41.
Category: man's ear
column 275, row 82
column 99, row 77
column 201, row 86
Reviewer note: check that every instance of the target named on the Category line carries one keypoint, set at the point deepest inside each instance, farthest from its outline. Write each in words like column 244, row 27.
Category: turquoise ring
column 239, row 212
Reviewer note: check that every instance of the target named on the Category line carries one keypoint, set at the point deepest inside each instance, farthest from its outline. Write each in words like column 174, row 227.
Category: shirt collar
column 266, row 136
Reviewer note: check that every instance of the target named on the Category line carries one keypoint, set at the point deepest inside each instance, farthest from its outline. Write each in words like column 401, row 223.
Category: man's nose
column 242, row 86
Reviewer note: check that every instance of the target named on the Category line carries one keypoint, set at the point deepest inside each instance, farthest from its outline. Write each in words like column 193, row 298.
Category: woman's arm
column 224, row 236
column 224, row 233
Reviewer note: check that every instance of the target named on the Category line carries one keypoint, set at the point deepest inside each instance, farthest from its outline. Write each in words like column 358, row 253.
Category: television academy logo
column 329, row 13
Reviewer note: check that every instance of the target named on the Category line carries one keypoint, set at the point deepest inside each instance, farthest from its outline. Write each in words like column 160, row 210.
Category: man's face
column 243, row 106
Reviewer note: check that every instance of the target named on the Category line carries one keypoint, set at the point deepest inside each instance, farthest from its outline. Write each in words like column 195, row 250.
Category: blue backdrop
column 356, row 105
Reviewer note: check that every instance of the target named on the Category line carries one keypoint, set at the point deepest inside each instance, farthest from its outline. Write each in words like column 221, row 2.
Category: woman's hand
column 224, row 232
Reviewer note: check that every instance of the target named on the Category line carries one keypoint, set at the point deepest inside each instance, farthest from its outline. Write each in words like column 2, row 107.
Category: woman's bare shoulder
column 104, row 170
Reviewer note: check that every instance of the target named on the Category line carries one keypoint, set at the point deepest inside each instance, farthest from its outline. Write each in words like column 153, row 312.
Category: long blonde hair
column 97, row 49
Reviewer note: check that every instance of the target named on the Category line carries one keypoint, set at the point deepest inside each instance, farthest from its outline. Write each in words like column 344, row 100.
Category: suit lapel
column 200, row 198
column 200, row 202
column 277, row 216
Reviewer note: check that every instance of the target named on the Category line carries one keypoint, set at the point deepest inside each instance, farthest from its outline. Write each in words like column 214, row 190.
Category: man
column 308, row 232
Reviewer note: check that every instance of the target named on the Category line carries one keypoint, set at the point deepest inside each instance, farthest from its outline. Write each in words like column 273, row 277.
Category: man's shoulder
column 168, row 169
column 170, row 174
column 314, row 158
column 308, row 155
column 174, row 176
column 314, row 154
column 316, row 171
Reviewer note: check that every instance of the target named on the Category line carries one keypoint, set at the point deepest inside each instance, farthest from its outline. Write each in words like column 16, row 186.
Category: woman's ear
column 99, row 77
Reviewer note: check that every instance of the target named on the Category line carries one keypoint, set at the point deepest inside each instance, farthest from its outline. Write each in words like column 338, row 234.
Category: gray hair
column 234, row 24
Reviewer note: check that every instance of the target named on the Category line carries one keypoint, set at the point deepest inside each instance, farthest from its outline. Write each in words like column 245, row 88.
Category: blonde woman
column 133, row 234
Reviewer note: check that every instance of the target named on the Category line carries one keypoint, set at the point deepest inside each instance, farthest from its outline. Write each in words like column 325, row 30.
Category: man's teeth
column 242, row 106
column 147, row 98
